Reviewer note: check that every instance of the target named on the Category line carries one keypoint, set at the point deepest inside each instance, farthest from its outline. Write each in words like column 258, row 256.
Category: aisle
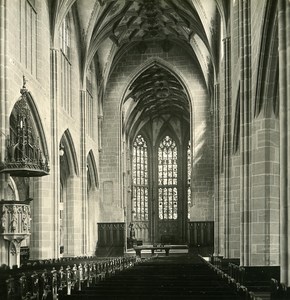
column 172, row 277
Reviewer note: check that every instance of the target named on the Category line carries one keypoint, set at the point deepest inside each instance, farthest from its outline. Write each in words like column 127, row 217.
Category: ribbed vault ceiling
column 151, row 19
column 157, row 92
column 108, row 28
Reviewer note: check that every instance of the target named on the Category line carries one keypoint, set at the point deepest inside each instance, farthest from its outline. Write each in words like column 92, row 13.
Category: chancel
column 144, row 149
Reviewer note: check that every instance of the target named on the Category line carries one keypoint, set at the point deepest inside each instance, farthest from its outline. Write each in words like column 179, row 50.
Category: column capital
column 226, row 39
column 83, row 93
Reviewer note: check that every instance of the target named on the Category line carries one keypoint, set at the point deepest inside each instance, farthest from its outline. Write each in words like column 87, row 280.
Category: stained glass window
column 140, row 179
column 167, row 179
column 188, row 179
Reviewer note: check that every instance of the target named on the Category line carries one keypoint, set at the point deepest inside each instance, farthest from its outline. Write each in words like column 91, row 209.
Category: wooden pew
column 161, row 281
column 258, row 274
column 231, row 276
column 258, row 278
column 234, row 271
column 279, row 291
column 226, row 261
column 54, row 278
column 223, row 263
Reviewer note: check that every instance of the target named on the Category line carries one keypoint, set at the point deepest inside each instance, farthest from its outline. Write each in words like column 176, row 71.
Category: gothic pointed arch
column 70, row 156
column 159, row 62
column 223, row 7
column 154, row 90
column 69, row 172
column 38, row 124
column 58, row 11
column 168, row 130
column 266, row 87
column 144, row 132
column 92, row 169
column 236, row 133
column 12, row 190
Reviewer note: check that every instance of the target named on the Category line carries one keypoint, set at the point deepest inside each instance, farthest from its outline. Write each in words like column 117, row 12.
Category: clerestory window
column 90, row 104
column 28, row 35
column 65, row 46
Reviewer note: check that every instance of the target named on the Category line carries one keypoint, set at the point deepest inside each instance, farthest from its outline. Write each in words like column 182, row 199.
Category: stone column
column 46, row 190
column 227, row 144
column 284, row 111
column 265, row 191
column 55, row 158
column 83, row 164
column 216, row 110
column 100, row 127
column 245, row 129
column 74, row 217
column 42, row 242
column 4, row 118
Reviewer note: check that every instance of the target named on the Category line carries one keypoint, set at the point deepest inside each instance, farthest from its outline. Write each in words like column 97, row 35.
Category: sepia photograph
column 144, row 149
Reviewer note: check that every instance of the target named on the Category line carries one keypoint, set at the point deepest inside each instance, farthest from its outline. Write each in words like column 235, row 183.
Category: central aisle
column 166, row 277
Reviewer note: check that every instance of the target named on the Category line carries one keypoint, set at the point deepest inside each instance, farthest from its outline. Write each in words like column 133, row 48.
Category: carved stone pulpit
column 15, row 225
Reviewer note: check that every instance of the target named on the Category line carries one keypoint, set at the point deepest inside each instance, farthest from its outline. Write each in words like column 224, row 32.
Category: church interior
column 138, row 132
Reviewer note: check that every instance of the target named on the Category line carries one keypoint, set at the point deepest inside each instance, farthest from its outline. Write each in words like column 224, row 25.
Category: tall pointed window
column 90, row 101
column 167, row 179
column 28, row 35
column 140, row 179
column 65, row 46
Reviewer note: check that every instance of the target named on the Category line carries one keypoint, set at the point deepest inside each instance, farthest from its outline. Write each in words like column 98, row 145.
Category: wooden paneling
column 201, row 234
column 111, row 234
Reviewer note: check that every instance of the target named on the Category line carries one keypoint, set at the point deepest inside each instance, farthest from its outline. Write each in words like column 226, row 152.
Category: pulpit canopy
column 24, row 157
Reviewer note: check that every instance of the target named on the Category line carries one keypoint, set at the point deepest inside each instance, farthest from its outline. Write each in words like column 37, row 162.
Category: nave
column 143, row 122
column 155, row 276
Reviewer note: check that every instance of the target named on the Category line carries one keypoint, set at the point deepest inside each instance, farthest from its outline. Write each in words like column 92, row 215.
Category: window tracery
column 140, row 179
column 167, row 179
